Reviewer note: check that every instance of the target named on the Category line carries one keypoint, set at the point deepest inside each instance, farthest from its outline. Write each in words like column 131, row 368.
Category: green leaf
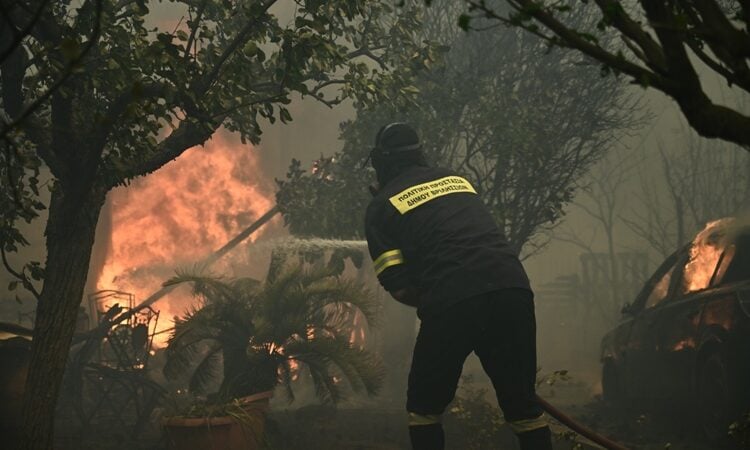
column 164, row 38
column 464, row 21
column 410, row 90
column 284, row 115
column 70, row 49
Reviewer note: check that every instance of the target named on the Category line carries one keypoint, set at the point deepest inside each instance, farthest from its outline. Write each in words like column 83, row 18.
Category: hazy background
column 565, row 340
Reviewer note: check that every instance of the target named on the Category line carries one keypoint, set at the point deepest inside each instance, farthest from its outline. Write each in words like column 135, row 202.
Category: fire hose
column 101, row 330
column 579, row 428
column 561, row 417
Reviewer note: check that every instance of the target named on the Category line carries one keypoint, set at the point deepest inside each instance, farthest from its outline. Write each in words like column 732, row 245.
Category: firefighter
column 435, row 247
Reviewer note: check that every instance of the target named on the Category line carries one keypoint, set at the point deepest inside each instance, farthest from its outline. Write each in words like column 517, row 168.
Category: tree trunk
column 69, row 237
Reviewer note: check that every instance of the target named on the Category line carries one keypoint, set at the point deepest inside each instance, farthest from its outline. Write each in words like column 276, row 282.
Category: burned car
column 685, row 339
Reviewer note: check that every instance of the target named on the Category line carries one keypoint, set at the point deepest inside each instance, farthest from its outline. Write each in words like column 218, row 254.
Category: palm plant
column 263, row 333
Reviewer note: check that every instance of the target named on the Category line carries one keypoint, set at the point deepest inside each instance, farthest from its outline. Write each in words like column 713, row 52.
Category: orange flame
column 177, row 216
column 707, row 247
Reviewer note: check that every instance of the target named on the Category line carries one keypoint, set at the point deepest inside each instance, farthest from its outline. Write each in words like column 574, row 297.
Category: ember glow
column 684, row 344
column 177, row 216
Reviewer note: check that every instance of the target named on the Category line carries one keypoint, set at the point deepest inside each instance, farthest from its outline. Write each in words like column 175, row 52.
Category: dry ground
column 383, row 428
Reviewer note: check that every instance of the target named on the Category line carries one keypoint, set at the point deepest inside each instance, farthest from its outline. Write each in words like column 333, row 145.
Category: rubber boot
column 427, row 437
column 539, row 439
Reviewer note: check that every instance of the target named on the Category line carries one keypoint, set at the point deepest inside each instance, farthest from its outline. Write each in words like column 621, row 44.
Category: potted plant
column 261, row 335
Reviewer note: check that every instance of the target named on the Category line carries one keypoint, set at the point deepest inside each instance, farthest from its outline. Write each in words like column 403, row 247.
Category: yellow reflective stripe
column 423, row 419
column 420, row 194
column 388, row 263
column 385, row 255
column 526, row 425
column 387, row 259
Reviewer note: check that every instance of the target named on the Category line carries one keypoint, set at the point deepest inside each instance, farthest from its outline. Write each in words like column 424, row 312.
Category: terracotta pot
column 221, row 433
column 259, row 401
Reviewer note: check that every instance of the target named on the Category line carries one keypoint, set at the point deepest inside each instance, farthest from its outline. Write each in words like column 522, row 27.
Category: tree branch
column 724, row 44
column 118, row 107
column 709, row 119
column 194, row 30
column 18, row 36
column 21, row 276
column 210, row 77
column 237, row 107
column 573, row 39
column 732, row 41
column 614, row 11
column 366, row 51
column 673, row 72
column 190, row 133
column 14, row 123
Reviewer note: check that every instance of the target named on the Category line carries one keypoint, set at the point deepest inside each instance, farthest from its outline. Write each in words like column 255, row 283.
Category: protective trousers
column 500, row 328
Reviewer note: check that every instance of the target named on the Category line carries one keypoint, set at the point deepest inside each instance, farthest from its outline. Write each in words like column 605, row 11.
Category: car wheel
column 715, row 397
column 611, row 388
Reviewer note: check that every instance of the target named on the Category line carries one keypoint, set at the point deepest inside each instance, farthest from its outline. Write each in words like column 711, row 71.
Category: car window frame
column 673, row 273
column 741, row 244
column 714, row 283
column 674, row 261
column 711, row 282
column 675, row 284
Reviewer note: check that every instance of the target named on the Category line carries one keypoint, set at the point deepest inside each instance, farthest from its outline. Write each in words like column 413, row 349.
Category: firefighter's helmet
column 396, row 138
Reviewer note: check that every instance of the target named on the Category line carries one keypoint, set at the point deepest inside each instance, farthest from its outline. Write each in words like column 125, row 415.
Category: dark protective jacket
column 428, row 229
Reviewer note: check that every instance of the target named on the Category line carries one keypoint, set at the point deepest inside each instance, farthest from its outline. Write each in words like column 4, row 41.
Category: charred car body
column 685, row 339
